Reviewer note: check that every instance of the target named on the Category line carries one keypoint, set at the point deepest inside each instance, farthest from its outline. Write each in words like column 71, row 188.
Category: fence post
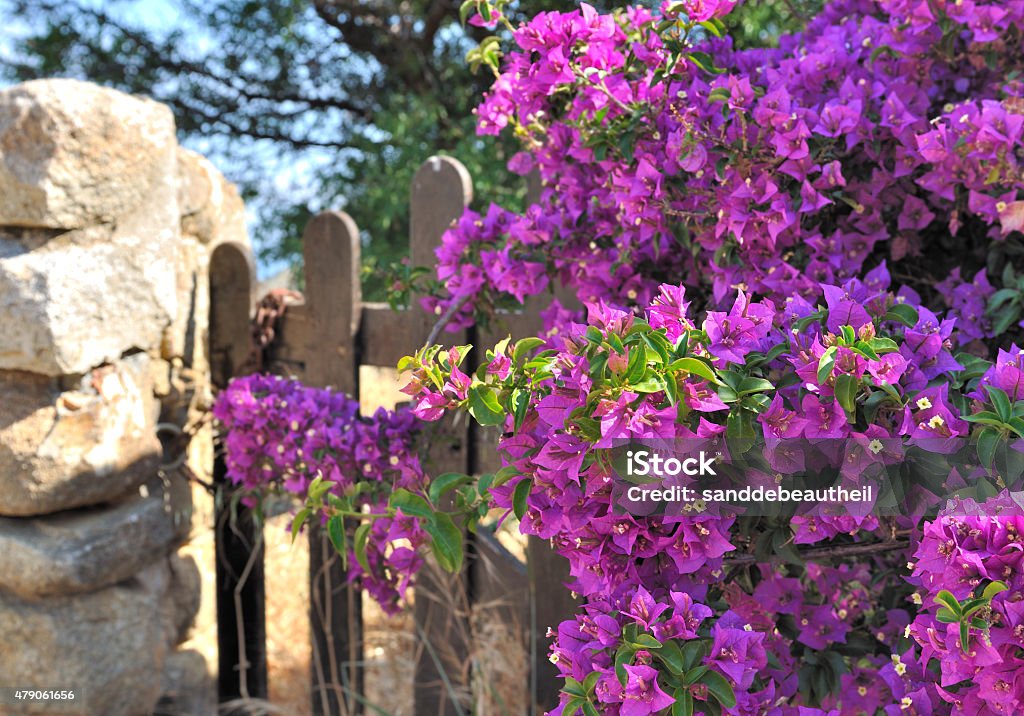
column 333, row 299
column 441, row 190
column 241, row 617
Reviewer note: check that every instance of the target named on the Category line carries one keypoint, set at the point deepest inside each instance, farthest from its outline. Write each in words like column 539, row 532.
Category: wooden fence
column 323, row 342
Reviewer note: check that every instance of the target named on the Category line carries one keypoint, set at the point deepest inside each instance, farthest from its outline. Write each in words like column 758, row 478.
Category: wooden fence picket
column 331, row 256
column 441, row 190
column 241, row 620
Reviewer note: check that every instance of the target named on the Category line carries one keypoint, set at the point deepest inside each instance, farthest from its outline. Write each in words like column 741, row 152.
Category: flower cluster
column 888, row 130
column 843, row 212
column 968, row 568
column 785, row 188
column 864, row 377
column 281, row 435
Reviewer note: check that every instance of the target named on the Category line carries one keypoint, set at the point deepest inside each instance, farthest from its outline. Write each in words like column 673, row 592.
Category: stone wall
column 106, row 228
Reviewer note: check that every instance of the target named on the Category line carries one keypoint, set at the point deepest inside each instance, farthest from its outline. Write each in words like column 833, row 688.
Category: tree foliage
column 305, row 104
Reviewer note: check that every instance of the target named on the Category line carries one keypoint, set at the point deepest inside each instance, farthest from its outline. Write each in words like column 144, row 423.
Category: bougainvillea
column 811, row 244
column 312, row 443
column 889, row 391
column 888, row 129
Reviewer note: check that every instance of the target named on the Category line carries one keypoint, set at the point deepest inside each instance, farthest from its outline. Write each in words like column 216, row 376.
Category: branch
column 445, row 319
column 233, row 127
column 842, row 550
column 244, row 87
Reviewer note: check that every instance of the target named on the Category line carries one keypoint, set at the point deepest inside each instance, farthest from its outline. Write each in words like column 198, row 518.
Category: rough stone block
column 84, row 550
column 73, row 154
column 73, row 448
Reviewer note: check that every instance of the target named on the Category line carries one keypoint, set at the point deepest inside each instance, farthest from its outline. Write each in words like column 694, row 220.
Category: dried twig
column 443, row 321
column 842, row 550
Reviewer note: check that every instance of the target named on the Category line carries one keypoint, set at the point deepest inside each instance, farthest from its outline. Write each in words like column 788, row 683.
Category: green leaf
column 902, row 313
column 446, row 542
column 336, row 533
column 573, row 687
column 1017, row 425
column 719, row 688
column 988, row 443
column 318, row 488
column 298, row 521
column 519, row 496
column 524, row 347
column 883, row 345
column 672, row 656
column 637, row 365
column 484, row 406
column 622, row 656
column 965, row 636
column 684, row 703
column 410, row 504
column 865, row 349
column 714, row 27
column 590, row 683
column 1002, row 296
column 720, row 94
column 659, row 346
column 751, row 384
column 849, row 335
column 1006, row 318
column 359, row 540
column 694, row 675
column 616, row 343
column 650, row 384
column 826, row 363
column 704, row 62
column 846, row 393
column 520, row 404
column 1001, row 402
column 646, row 641
column 972, row 606
column 945, row 598
column 946, row 617
column 694, row 366
column 985, row 417
column 589, row 709
column 465, row 10
column 693, row 653
column 573, row 705
column 443, row 484
column 993, row 589
column 892, row 393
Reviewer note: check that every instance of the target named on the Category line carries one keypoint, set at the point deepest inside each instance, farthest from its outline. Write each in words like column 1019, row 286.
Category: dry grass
column 389, row 649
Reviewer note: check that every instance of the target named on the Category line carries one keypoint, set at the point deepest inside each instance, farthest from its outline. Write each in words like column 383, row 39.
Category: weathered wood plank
column 331, row 253
column 241, row 613
column 330, row 358
column 550, row 604
column 386, row 336
column 441, row 190
column 232, row 279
